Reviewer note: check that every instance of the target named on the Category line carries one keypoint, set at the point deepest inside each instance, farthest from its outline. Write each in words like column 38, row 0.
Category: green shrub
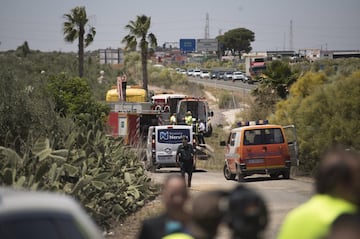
column 104, row 175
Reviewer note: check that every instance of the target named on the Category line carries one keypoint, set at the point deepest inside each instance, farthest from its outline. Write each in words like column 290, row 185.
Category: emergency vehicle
column 260, row 148
column 130, row 115
column 131, row 121
column 199, row 108
column 162, row 144
column 166, row 102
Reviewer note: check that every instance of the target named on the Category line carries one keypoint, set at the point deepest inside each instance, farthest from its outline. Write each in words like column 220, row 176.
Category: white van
column 162, row 144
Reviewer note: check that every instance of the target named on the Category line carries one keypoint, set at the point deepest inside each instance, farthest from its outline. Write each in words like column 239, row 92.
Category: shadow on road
column 261, row 179
column 178, row 171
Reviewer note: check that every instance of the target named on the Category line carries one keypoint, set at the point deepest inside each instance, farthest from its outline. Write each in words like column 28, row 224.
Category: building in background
column 111, row 56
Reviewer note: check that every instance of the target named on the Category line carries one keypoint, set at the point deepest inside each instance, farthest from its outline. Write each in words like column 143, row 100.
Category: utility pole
column 207, row 27
column 291, row 40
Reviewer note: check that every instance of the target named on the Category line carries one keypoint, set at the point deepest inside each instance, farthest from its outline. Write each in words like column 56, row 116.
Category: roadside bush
column 72, row 97
column 324, row 112
column 104, row 175
column 225, row 100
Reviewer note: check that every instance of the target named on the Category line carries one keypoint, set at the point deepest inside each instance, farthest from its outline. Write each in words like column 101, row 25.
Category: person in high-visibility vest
column 172, row 119
column 188, row 118
column 337, row 192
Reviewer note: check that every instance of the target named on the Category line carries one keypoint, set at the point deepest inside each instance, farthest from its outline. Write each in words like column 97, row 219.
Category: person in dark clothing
column 185, row 158
column 174, row 218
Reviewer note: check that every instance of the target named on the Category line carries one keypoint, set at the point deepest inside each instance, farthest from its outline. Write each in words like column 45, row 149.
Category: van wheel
column 274, row 175
column 286, row 174
column 227, row 174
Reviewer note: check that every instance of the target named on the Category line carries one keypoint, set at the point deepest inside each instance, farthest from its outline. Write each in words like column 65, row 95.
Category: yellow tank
column 132, row 95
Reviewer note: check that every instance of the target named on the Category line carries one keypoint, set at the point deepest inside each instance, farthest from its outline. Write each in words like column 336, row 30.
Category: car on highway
column 197, row 73
column 228, row 75
column 214, row 74
column 190, row 72
column 238, row 75
column 182, row 71
column 205, row 74
column 42, row 215
column 221, row 75
column 248, row 80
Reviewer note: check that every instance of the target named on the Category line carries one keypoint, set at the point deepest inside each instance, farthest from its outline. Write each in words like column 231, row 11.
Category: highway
column 226, row 85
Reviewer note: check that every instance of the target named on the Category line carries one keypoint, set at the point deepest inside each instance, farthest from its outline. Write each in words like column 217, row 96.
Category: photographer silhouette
column 246, row 214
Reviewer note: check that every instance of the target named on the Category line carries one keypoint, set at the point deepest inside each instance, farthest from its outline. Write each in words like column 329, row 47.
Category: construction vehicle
column 257, row 147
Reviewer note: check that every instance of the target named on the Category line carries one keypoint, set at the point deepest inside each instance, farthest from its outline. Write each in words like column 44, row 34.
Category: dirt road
column 281, row 195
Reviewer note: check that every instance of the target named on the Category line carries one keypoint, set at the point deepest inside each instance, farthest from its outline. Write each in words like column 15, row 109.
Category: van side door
column 291, row 138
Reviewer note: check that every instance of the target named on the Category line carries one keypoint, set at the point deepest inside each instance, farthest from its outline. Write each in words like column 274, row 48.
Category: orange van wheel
column 286, row 174
column 227, row 173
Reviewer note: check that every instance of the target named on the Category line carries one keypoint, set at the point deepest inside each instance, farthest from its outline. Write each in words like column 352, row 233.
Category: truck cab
column 259, row 148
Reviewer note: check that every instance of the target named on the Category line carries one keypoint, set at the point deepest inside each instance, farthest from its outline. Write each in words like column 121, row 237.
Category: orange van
column 258, row 148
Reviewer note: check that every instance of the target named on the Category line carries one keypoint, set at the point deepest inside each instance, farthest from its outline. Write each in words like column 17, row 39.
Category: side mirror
column 222, row 143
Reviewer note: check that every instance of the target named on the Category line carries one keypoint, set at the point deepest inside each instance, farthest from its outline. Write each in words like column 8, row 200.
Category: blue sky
column 330, row 24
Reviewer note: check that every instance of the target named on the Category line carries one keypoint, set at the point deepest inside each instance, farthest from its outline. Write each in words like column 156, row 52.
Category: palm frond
column 152, row 40
column 90, row 36
column 71, row 35
column 130, row 42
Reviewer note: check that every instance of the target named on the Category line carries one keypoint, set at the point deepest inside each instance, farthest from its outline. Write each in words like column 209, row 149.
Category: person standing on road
column 201, row 131
column 174, row 218
column 337, row 191
column 185, row 158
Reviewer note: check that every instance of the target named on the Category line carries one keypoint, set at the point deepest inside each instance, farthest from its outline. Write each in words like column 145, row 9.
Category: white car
column 190, row 72
column 182, row 71
column 42, row 215
column 205, row 74
column 196, row 73
column 238, row 75
column 228, row 75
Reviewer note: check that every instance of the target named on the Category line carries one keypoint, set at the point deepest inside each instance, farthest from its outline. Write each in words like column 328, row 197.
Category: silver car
column 43, row 215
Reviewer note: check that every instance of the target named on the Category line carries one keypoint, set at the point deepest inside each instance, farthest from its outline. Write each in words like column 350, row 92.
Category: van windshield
column 263, row 136
column 172, row 136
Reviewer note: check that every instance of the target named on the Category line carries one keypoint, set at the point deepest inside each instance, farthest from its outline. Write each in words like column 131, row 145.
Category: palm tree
column 74, row 28
column 139, row 30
